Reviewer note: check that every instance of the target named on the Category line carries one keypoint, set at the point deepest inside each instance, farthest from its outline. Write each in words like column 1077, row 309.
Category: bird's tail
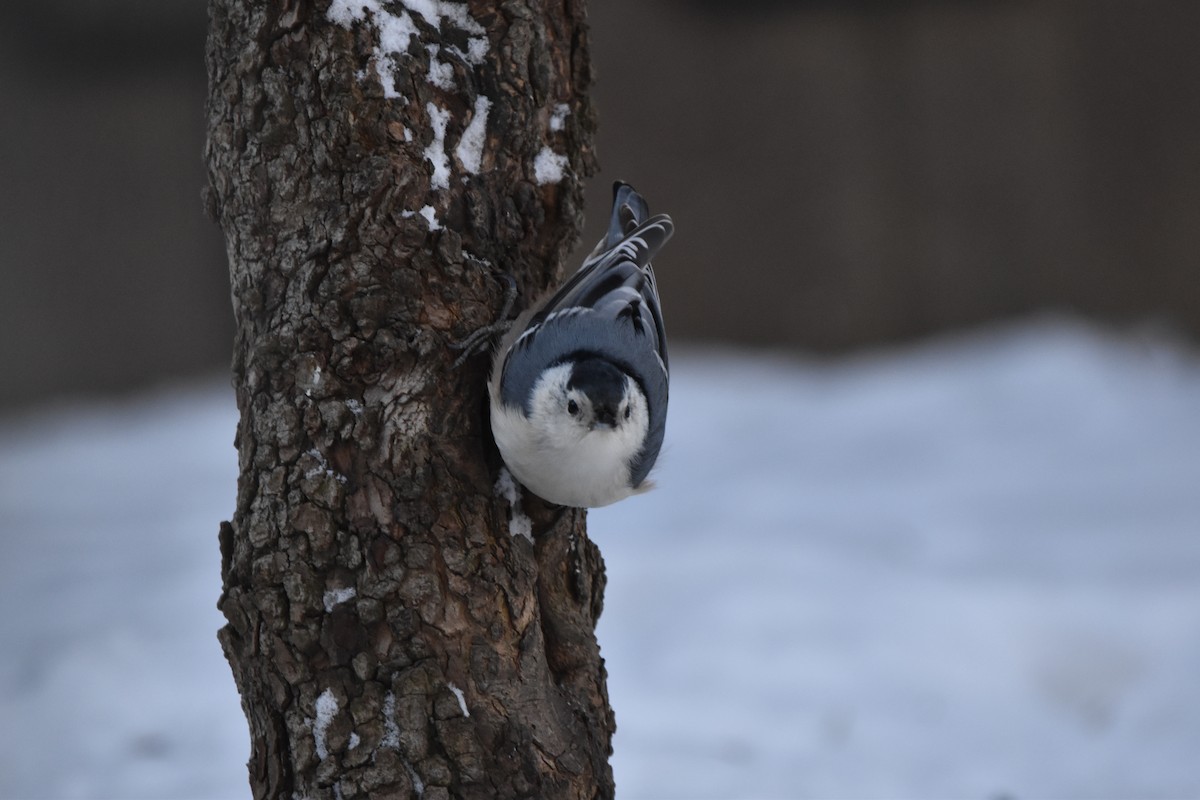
column 629, row 210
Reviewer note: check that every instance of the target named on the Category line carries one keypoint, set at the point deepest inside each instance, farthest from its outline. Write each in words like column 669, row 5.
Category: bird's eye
column 572, row 407
column 628, row 411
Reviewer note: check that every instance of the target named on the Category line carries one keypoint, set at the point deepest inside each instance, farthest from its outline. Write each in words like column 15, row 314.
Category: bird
column 579, row 384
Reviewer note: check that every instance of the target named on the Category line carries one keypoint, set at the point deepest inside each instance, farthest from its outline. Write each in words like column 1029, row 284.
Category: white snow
column 519, row 523
column 462, row 699
column 969, row 568
column 395, row 33
column 391, row 730
column 333, row 597
column 314, row 381
column 549, row 166
column 477, row 49
column 561, row 111
column 322, row 467
column 436, row 151
column 436, row 11
column 474, row 137
column 440, row 74
column 430, row 215
column 327, row 707
column 347, row 12
column 439, row 13
column 418, row 784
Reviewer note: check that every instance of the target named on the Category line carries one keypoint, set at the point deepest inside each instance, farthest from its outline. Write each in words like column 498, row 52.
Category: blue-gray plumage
column 600, row 340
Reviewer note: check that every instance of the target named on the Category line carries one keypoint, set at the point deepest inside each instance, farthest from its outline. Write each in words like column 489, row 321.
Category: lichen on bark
column 387, row 633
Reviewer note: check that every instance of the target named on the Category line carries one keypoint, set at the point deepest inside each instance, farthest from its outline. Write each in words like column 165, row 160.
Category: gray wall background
column 841, row 173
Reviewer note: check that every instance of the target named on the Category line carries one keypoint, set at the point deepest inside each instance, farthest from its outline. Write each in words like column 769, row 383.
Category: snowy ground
column 967, row 569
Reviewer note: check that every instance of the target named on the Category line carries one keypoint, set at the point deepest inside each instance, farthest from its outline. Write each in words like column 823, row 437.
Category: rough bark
column 390, row 631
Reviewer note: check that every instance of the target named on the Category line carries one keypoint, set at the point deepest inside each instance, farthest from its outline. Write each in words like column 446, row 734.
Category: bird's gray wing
column 617, row 279
column 610, row 309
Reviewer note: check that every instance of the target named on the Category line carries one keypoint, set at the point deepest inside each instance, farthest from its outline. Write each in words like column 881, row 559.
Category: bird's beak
column 606, row 419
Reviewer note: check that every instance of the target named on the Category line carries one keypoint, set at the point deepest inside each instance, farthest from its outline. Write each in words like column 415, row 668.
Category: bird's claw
column 475, row 341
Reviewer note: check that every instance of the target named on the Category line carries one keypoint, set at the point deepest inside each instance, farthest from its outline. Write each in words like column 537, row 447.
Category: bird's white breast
column 561, row 464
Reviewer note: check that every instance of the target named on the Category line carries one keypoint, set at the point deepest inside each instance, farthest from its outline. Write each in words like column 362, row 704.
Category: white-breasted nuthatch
column 579, row 384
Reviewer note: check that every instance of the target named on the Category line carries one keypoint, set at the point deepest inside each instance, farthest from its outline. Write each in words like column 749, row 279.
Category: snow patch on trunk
column 327, row 706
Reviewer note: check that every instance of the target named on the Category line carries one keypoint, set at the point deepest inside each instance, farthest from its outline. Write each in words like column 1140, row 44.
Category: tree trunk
column 393, row 629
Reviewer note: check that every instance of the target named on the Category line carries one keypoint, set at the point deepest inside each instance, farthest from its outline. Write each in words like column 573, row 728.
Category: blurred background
column 929, row 516
column 844, row 174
